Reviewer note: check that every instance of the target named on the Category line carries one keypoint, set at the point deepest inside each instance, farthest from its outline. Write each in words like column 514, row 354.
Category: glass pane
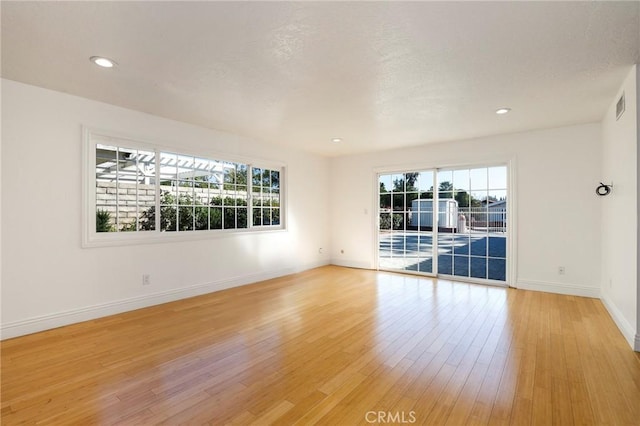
column 478, row 267
column 200, row 195
column 106, row 163
column 461, row 266
column 411, row 181
column 229, row 218
column 422, row 215
column 426, row 265
column 126, row 210
column 185, row 193
column 461, row 179
column 216, row 174
column 398, row 182
column 445, row 180
column 497, row 247
column 146, row 167
column 201, row 218
column 385, row 201
column 384, row 182
column 185, row 167
column 257, row 217
column 425, row 181
column 241, row 200
column 497, row 269
column 216, row 218
column 445, row 242
column 445, row 264
column 410, row 197
column 168, row 192
column 185, row 218
column 168, row 218
column 497, row 195
column 461, row 244
column 463, row 198
column 275, row 216
column 242, row 217
column 478, row 245
column 127, row 171
column 478, row 212
column 266, row 196
column 385, row 221
column 498, row 177
column 168, row 166
column 398, row 222
column 398, row 202
column 201, row 167
column 146, row 207
column 147, row 220
column 425, row 243
column 257, row 178
column 230, row 177
column 241, row 174
column 266, row 216
column 215, row 200
column 266, row 178
column 478, row 178
column 411, row 244
column 397, row 244
column 200, row 182
column 105, row 218
column 497, row 212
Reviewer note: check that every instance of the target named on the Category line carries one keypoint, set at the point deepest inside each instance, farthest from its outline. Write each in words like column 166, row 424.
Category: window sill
column 113, row 239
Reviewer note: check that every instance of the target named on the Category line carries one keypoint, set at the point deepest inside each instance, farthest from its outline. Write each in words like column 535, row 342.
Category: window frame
column 91, row 238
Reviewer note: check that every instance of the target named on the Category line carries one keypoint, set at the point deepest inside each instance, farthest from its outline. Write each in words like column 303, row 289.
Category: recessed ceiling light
column 103, row 62
column 503, row 110
column 336, row 140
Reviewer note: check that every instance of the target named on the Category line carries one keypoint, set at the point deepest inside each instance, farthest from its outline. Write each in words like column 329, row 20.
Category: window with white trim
column 134, row 181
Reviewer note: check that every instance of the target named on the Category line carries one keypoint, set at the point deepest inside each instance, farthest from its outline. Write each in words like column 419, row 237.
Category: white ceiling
column 377, row 74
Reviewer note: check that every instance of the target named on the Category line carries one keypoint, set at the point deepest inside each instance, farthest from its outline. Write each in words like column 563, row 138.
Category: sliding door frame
column 511, row 261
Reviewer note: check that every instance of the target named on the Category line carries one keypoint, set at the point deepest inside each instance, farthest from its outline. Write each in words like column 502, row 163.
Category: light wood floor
column 332, row 346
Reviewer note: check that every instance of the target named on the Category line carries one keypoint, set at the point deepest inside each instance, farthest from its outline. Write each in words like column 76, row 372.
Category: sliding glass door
column 406, row 221
column 467, row 239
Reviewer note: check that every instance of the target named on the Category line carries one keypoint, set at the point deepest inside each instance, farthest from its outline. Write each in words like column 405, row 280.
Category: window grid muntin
column 238, row 209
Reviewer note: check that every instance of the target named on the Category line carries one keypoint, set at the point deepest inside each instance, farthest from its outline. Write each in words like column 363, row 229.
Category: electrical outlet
column 320, row 250
column 341, row 251
column 146, row 279
column 561, row 270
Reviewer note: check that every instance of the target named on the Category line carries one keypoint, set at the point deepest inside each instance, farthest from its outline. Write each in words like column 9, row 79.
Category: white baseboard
column 559, row 288
column 625, row 327
column 59, row 319
column 312, row 265
column 351, row 263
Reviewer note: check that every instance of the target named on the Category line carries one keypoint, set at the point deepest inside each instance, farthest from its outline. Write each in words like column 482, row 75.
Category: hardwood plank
column 326, row 346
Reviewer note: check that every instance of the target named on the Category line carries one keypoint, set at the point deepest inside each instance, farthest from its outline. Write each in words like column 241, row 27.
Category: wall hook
column 604, row 189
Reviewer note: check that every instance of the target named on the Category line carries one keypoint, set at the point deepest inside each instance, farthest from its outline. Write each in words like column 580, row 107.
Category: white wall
column 557, row 212
column 620, row 211
column 636, row 342
column 49, row 280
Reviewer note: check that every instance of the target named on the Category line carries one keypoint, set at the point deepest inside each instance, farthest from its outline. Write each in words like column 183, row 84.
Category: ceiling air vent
column 620, row 107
